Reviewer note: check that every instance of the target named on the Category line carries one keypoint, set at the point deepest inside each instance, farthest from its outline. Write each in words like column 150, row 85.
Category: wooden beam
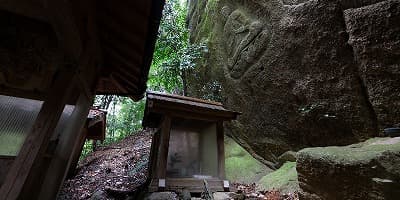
column 152, row 173
column 165, row 106
column 61, row 17
column 185, row 98
column 190, row 184
column 123, row 86
column 5, row 165
column 163, row 148
column 68, row 143
column 121, row 51
column 22, row 93
column 127, row 73
column 33, row 8
column 188, row 115
column 221, row 150
column 38, row 138
column 128, row 13
column 125, row 82
column 77, row 153
column 121, row 32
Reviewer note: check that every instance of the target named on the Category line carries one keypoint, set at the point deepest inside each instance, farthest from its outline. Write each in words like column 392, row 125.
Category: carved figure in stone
column 240, row 31
column 249, row 54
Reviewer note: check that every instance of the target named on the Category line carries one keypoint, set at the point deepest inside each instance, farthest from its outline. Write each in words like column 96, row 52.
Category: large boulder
column 303, row 73
column 369, row 170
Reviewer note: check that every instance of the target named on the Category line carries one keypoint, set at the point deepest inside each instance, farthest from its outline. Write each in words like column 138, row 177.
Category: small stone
column 221, row 196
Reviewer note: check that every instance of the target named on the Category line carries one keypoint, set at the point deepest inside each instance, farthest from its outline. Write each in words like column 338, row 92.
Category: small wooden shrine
column 188, row 146
column 94, row 129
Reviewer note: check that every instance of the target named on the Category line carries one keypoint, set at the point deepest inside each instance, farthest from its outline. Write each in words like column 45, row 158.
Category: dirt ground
column 121, row 166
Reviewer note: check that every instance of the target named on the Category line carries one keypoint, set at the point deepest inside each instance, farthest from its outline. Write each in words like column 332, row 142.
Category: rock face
column 369, row 170
column 303, row 73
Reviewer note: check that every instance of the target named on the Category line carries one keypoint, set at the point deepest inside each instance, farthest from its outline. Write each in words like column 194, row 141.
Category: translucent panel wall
column 183, row 153
column 193, row 151
column 17, row 116
column 209, row 151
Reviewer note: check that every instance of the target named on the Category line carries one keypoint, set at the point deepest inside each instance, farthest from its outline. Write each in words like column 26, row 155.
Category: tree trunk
column 184, row 82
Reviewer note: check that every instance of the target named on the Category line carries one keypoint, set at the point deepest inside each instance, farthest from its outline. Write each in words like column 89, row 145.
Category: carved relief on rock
column 244, row 40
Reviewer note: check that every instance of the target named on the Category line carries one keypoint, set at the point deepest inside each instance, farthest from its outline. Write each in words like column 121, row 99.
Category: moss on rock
column 367, row 170
column 284, row 179
column 240, row 166
column 356, row 153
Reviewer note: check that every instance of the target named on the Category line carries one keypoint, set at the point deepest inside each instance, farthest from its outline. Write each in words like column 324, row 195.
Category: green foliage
column 173, row 56
column 124, row 117
column 125, row 120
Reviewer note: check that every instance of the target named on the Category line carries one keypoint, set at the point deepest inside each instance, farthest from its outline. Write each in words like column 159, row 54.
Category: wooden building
column 55, row 55
column 94, row 129
column 188, row 147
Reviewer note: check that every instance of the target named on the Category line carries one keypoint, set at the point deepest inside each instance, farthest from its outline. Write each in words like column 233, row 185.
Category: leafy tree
column 174, row 56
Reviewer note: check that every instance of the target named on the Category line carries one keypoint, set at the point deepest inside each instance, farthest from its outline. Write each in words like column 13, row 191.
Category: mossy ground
column 240, row 166
column 284, row 179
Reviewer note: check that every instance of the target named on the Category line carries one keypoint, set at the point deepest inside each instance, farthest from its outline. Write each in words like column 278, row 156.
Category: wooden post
column 38, row 138
column 163, row 148
column 221, row 150
column 77, row 153
column 152, row 173
column 62, row 158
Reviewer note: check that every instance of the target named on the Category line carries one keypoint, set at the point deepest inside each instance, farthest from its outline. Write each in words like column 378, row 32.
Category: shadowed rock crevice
column 372, row 114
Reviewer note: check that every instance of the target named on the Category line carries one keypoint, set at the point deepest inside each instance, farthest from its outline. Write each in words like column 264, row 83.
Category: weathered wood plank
column 68, row 142
column 61, row 17
column 163, row 148
column 37, row 140
column 32, row 8
column 155, row 94
column 5, row 165
column 221, row 150
column 190, row 184
column 77, row 153
column 152, row 168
